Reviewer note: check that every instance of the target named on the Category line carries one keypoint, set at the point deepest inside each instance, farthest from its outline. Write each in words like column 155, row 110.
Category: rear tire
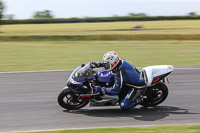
column 70, row 100
column 155, row 95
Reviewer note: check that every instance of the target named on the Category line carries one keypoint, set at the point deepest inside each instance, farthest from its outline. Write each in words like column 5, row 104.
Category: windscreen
column 85, row 71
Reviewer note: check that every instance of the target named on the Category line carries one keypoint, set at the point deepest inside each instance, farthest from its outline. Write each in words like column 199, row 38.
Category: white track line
column 178, row 68
column 186, row 124
column 38, row 71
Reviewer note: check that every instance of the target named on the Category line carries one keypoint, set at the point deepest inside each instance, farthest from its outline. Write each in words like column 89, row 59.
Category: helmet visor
column 106, row 65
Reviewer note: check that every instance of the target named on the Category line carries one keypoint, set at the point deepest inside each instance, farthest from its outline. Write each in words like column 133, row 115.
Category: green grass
column 61, row 55
column 108, row 37
column 155, row 129
column 21, row 48
column 151, row 27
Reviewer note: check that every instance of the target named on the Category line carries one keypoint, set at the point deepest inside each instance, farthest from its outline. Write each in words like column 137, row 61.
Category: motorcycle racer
column 125, row 74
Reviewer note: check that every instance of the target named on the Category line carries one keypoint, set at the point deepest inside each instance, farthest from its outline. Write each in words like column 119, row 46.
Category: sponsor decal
column 170, row 67
column 156, row 80
column 76, row 74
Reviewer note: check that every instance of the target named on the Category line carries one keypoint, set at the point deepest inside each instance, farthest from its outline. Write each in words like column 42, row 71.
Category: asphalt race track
column 28, row 101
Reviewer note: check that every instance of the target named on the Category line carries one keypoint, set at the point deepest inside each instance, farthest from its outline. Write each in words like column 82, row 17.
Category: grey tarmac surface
column 28, row 101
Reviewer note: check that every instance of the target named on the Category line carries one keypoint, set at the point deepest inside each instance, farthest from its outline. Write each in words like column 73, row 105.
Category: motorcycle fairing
column 76, row 83
column 157, row 73
column 160, row 77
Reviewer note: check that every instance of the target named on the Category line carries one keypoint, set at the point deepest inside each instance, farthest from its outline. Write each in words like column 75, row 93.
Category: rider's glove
column 99, row 90
column 96, row 64
column 92, row 64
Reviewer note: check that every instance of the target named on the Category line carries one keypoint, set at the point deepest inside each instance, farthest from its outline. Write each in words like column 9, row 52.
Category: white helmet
column 110, row 60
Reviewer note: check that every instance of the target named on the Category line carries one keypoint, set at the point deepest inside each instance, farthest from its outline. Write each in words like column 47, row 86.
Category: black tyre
column 155, row 95
column 70, row 100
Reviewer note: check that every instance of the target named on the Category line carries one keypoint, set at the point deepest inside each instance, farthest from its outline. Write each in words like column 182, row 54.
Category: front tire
column 155, row 95
column 71, row 101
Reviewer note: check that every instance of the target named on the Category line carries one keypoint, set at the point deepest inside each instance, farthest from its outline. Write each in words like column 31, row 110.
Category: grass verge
column 154, row 129
column 108, row 37
column 61, row 55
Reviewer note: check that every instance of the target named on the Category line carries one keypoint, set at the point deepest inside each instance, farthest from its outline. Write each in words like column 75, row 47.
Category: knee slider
column 126, row 104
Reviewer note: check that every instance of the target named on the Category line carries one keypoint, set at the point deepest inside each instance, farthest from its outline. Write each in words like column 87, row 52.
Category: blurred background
column 58, row 35
column 39, row 35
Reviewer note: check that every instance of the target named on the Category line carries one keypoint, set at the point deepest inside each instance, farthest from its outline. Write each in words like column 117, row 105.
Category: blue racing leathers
column 127, row 74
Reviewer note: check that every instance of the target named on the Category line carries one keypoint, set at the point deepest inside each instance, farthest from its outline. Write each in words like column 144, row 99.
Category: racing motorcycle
column 79, row 90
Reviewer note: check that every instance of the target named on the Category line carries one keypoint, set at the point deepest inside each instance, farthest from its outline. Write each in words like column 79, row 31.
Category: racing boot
column 137, row 95
column 139, row 100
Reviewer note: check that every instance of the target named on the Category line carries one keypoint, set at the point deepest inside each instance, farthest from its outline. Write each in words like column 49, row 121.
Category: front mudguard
column 66, row 89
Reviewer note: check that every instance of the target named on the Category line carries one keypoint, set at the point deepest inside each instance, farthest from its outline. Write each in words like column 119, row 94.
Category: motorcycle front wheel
column 155, row 95
column 71, row 101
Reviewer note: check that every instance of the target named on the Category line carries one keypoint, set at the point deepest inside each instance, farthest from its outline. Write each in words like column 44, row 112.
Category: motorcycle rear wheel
column 71, row 101
column 155, row 95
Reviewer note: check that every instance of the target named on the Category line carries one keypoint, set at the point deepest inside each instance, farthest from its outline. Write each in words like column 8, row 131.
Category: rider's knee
column 127, row 104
